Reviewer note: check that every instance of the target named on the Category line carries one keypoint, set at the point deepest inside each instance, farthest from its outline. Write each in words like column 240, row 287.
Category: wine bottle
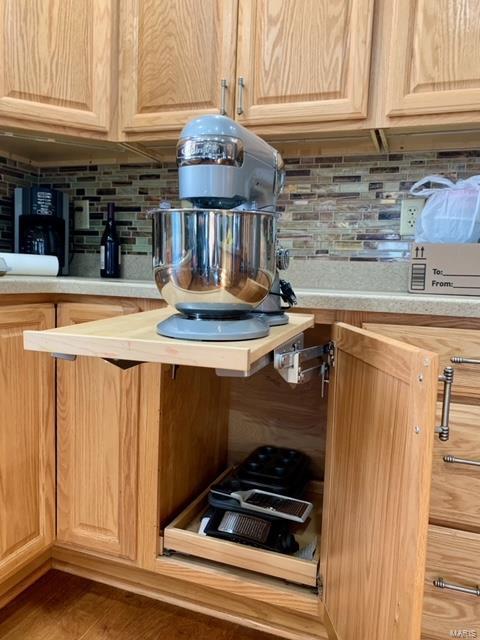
column 110, row 249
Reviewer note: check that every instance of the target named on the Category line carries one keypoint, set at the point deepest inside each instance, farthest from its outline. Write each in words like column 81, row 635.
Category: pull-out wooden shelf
column 182, row 535
column 134, row 337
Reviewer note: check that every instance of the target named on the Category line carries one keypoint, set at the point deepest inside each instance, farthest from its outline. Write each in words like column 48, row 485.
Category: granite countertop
column 382, row 301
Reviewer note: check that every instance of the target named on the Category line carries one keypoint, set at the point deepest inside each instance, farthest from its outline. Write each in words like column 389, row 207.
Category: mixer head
column 222, row 165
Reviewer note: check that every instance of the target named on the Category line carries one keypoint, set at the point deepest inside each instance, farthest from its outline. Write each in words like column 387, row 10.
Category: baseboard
column 24, row 577
column 226, row 606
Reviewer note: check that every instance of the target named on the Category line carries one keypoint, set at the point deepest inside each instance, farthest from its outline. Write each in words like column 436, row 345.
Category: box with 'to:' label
column 450, row 269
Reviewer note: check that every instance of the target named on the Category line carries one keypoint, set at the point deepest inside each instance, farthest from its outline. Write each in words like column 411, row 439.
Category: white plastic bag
column 452, row 213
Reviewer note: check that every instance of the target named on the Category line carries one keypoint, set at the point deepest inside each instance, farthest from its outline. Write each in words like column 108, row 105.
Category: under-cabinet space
column 264, row 410
column 182, row 535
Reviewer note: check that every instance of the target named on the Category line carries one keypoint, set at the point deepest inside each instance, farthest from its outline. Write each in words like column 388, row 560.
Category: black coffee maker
column 41, row 224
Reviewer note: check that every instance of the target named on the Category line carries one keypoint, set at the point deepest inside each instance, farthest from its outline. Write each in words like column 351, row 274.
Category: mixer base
column 272, row 319
column 188, row 328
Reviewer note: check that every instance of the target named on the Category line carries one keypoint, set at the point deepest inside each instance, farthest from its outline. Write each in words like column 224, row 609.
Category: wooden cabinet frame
column 33, row 94
column 27, row 441
column 379, row 454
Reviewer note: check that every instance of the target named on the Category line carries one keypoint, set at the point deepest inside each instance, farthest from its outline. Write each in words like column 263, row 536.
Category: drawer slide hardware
column 455, row 460
column 440, row 583
column 288, row 360
column 443, row 429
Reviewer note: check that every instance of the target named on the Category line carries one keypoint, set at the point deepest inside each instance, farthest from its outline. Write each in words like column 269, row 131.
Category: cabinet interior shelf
column 133, row 337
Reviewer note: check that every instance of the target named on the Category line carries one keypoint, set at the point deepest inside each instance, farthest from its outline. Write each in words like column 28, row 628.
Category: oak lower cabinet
column 452, row 595
column 27, row 439
column 366, row 579
column 128, row 445
column 98, row 409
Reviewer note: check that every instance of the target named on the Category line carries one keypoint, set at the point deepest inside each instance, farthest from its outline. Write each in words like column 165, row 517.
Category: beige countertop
column 395, row 302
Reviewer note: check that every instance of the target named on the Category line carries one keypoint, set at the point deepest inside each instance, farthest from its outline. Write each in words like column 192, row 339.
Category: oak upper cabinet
column 177, row 60
column 56, row 64
column 27, row 439
column 433, row 65
column 303, row 61
column 97, row 445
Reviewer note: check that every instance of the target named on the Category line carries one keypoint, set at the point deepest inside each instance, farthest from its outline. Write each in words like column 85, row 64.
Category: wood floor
column 64, row 607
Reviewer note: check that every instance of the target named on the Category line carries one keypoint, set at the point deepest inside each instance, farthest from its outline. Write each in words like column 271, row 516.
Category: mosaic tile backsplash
column 12, row 174
column 333, row 208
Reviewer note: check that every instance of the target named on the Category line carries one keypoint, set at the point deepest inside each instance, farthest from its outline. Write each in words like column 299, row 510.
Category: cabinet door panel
column 434, row 61
column 174, row 54
column 27, row 445
column 56, row 62
column 304, row 61
column 98, row 422
column 377, row 485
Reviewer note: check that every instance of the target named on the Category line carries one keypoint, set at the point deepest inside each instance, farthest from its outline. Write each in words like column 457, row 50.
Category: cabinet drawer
column 455, row 497
column 182, row 536
column 453, row 556
column 446, row 343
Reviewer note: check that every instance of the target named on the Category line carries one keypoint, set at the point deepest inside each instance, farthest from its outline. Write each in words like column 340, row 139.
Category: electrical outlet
column 409, row 213
column 82, row 214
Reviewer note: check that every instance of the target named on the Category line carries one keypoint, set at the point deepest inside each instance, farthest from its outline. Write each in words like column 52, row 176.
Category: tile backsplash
column 12, row 174
column 333, row 208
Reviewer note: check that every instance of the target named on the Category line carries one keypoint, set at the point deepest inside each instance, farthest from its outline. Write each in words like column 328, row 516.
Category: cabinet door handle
column 462, row 360
column 223, row 96
column 241, row 85
column 455, row 460
column 440, row 583
column 443, row 429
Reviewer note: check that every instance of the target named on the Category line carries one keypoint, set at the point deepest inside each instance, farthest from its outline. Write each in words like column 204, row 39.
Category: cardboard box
column 445, row 269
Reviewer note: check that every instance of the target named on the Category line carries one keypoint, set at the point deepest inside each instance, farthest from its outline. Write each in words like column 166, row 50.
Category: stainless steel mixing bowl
column 214, row 262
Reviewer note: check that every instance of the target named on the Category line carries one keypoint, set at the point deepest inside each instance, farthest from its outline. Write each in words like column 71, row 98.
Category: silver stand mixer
column 216, row 261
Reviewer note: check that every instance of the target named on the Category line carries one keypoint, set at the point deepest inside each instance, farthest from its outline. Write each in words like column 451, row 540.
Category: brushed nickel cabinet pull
column 455, row 460
column 223, row 97
column 440, row 583
column 443, row 429
column 241, row 85
column 462, row 360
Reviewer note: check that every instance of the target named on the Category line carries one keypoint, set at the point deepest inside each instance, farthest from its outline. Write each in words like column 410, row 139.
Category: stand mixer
column 216, row 261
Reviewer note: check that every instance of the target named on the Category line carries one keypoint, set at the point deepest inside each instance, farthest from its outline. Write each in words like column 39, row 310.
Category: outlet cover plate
column 409, row 213
column 82, row 214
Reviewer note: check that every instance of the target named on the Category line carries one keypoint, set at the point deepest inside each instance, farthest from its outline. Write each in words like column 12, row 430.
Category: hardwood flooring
column 60, row 606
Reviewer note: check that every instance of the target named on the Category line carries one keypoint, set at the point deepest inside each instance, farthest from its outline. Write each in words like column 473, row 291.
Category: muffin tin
column 275, row 469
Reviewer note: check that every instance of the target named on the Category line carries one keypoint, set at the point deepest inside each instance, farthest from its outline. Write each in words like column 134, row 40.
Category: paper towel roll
column 26, row 264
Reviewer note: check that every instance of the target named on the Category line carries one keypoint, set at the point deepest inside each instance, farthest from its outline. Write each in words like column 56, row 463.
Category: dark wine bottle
column 110, row 249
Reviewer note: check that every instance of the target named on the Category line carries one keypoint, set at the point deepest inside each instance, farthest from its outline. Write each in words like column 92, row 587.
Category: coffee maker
column 41, row 218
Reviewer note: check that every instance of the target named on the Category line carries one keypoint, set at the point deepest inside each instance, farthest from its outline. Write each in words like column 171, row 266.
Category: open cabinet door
column 377, row 486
